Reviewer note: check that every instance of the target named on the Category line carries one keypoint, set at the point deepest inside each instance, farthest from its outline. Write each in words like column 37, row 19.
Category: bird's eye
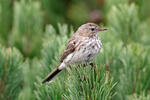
column 92, row 29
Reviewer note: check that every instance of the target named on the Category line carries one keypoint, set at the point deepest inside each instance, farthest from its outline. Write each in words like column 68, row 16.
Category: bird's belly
column 86, row 53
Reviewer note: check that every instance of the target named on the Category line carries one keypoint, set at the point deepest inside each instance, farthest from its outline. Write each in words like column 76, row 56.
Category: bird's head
column 89, row 30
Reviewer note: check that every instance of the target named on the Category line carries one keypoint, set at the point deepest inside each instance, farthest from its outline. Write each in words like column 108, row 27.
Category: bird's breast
column 86, row 51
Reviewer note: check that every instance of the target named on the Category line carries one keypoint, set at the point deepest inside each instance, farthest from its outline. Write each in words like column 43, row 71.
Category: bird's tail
column 50, row 76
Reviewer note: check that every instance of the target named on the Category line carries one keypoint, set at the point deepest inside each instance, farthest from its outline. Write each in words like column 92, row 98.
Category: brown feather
column 70, row 48
column 50, row 76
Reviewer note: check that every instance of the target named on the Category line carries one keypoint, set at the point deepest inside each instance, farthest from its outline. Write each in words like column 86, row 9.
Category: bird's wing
column 70, row 48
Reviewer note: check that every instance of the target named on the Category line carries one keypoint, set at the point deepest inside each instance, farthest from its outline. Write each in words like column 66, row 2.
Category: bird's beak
column 102, row 29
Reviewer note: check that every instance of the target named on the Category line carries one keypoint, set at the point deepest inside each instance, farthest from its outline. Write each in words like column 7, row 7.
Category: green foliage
column 124, row 22
column 129, row 67
column 53, row 11
column 122, row 67
column 111, row 3
column 141, row 97
column 10, row 73
column 144, row 8
column 93, row 83
column 5, row 19
column 145, row 30
column 27, row 28
column 30, row 71
column 78, row 13
column 135, row 61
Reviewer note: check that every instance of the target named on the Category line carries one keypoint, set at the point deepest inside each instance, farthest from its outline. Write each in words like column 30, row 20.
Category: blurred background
column 22, row 22
column 33, row 33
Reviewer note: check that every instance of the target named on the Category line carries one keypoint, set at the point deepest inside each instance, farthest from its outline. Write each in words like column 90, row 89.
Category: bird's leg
column 70, row 67
column 92, row 64
column 84, row 65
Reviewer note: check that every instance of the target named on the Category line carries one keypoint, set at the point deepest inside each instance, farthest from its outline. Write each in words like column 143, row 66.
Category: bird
column 81, row 49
